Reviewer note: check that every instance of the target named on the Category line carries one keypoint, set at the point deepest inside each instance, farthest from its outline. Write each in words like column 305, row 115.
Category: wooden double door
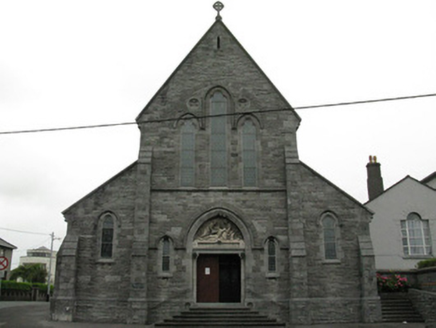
column 219, row 278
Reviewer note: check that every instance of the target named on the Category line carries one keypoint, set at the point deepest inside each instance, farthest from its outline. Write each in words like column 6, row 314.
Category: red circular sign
column 4, row 263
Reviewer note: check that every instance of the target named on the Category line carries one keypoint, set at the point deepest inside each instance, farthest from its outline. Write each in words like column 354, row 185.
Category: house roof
column 217, row 23
column 5, row 244
column 429, row 178
column 399, row 182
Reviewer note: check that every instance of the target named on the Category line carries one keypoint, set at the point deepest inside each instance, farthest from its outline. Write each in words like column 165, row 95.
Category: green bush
column 24, row 286
column 13, row 285
column 392, row 283
column 426, row 263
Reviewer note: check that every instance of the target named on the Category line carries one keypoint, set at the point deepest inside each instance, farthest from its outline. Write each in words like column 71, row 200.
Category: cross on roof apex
column 218, row 6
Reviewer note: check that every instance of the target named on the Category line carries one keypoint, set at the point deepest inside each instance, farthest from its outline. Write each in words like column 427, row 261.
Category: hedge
column 426, row 263
column 23, row 286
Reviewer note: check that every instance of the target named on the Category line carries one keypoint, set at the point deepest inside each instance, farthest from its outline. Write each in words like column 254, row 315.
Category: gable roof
column 218, row 24
column 5, row 244
column 407, row 177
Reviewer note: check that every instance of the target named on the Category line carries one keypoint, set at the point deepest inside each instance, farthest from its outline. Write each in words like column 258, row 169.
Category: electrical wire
column 219, row 115
column 29, row 232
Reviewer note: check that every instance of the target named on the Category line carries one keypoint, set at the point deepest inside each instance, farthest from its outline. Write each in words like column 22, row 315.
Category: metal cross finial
column 218, row 6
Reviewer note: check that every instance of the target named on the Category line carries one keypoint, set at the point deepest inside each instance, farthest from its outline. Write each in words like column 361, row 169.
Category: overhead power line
column 210, row 116
column 29, row 232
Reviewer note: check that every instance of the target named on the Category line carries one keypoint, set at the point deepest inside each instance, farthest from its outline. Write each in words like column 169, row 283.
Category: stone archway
column 219, row 248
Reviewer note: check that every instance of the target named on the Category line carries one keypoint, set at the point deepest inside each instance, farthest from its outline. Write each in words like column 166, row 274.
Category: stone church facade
column 217, row 210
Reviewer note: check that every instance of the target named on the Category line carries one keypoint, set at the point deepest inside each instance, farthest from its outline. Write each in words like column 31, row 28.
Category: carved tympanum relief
column 218, row 230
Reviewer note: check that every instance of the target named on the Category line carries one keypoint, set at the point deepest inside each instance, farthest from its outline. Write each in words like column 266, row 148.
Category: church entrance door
column 219, row 278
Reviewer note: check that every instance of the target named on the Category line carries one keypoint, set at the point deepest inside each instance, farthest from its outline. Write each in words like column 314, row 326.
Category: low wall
column 19, row 295
column 425, row 303
column 426, row 279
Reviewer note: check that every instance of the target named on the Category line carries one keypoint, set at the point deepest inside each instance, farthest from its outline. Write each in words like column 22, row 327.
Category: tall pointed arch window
column 107, row 237
column 416, row 236
column 272, row 255
column 249, row 155
column 166, row 255
column 329, row 234
column 187, row 156
column 218, row 140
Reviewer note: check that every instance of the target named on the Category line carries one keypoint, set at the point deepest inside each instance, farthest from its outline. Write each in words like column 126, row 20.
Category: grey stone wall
column 318, row 284
column 425, row 303
column 148, row 203
column 426, row 279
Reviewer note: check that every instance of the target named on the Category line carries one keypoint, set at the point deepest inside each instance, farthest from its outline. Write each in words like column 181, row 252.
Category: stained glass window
column 249, row 156
column 218, row 140
column 165, row 255
column 271, row 255
column 107, row 237
column 329, row 229
column 187, row 157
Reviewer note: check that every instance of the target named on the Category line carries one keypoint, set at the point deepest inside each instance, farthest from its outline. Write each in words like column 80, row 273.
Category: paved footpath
column 36, row 315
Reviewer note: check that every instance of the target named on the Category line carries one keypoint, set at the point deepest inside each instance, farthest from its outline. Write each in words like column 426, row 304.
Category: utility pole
column 49, row 266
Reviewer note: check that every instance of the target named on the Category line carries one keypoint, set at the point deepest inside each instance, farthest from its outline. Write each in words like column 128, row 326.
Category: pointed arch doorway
column 219, row 247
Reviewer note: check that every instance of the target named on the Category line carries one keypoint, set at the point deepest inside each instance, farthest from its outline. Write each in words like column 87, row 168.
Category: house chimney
column 375, row 180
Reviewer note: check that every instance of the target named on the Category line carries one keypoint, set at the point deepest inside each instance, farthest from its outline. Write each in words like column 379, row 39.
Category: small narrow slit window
column 272, row 256
column 107, row 237
column 218, row 42
column 165, row 255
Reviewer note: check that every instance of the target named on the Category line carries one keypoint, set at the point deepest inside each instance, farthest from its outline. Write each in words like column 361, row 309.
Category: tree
column 30, row 273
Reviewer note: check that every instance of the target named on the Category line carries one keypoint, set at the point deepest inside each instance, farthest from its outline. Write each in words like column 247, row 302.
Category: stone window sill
column 165, row 275
column 331, row 262
column 272, row 275
column 105, row 261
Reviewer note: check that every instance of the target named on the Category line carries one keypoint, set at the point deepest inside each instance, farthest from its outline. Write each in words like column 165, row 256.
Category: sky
column 74, row 63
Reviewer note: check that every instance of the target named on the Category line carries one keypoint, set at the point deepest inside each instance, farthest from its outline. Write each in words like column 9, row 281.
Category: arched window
column 166, row 255
column 187, row 155
column 272, row 255
column 249, row 155
column 329, row 234
column 416, row 235
column 218, row 140
column 107, row 236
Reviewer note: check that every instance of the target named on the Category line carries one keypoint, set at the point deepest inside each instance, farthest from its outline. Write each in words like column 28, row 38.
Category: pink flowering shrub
column 392, row 283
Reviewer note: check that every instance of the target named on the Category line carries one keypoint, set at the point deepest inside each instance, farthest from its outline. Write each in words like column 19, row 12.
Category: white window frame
column 409, row 247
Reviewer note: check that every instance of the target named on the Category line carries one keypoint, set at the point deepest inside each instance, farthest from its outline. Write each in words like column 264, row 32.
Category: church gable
column 218, row 60
column 218, row 112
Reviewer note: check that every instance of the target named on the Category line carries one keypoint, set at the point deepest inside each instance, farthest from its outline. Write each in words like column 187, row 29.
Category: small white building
column 41, row 255
column 403, row 228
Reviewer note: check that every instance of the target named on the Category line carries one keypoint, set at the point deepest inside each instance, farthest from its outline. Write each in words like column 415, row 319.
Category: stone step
column 220, row 317
column 398, row 308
